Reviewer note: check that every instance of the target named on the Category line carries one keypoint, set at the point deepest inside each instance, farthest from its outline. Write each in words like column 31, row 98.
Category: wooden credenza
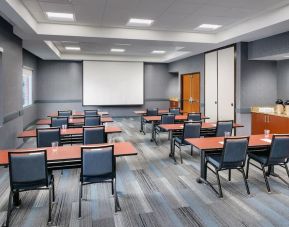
column 276, row 123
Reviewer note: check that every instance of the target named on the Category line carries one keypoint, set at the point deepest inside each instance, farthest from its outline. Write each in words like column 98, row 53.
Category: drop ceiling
column 100, row 25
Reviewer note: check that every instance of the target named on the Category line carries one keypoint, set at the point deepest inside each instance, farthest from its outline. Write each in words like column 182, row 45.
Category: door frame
column 235, row 77
column 181, row 85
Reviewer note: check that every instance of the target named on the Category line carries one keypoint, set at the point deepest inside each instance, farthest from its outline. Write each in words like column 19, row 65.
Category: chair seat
column 179, row 141
column 261, row 158
column 33, row 185
column 158, row 129
column 97, row 179
column 215, row 160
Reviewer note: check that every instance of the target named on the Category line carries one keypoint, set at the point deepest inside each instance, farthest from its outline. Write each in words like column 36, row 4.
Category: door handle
column 216, row 102
column 232, row 104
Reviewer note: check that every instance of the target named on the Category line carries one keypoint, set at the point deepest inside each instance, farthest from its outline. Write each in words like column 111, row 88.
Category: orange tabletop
column 76, row 114
column 65, row 153
column 213, row 143
column 69, row 131
column 177, row 117
column 73, row 121
column 205, row 125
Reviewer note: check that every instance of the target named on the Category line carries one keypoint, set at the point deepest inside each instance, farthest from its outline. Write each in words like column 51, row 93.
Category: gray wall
column 64, row 82
column 30, row 112
column 283, row 80
column 256, row 85
column 11, row 88
column 190, row 65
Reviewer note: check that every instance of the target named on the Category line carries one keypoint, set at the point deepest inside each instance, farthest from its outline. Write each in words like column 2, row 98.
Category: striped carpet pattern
column 153, row 191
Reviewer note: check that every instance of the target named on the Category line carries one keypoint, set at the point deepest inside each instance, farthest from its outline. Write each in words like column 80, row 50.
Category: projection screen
column 107, row 83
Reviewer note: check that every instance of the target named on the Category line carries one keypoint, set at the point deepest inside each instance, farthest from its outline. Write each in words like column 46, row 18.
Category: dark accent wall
column 30, row 113
column 59, row 86
column 11, row 86
column 190, row 65
column 283, row 80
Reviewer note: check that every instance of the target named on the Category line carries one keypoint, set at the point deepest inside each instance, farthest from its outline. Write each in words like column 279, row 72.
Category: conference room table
column 77, row 114
column 207, row 127
column 67, row 157
column 154, row 119
column 209, row 145
column 72, row 121
column 75, row 132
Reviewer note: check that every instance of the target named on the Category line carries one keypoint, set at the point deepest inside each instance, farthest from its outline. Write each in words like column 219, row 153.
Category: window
column 27, row 87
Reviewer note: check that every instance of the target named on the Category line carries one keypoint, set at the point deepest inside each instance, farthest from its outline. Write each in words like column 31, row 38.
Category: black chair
column 277, row 155
column 57, row 122
column 64, row 113
column 190, row 130
column 194, row 117
column 175, row 111
column 98, row 166
column 165, row 119
column 90, row 112
column 92, row 120
column 233, row 156
column 28, row 171
column 45, row 136
column 222, row 127
column 94, row 135
column 149, row 112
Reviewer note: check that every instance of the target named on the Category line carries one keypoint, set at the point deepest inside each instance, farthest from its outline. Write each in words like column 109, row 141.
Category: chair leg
column 180, row 148
column 247, row 168
column 50, row 205
column 229, row 175
column 287, row 171
column 174, row 150
column 112, row 190
column 245, row 180
column 79, row 200
column 116, row 202
column 9, row 209
column 266, row 179
column 219, row 184
column 53, row 189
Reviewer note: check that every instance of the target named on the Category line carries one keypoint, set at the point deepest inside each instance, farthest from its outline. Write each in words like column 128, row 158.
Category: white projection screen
column 107, row 83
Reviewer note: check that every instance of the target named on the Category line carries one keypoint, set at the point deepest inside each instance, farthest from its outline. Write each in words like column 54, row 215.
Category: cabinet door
column 258, row 123
column 278, row 124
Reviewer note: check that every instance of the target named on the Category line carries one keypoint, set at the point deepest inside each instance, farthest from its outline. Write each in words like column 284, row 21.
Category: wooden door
column 190, row 92
column 259, row 123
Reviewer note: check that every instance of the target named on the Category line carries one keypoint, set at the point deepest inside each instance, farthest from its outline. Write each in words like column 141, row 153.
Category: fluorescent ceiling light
column 122, row 44
column 158, row 52
column 117, row 50
column 139, row 22
column 61, row 16
column 287, row 56
column 208, row 27
column 72, row 48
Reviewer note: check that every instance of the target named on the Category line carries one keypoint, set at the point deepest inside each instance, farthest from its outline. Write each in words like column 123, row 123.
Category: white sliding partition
column 113, row 83
column 220, row 84
column 211, row 81
column 226, row 84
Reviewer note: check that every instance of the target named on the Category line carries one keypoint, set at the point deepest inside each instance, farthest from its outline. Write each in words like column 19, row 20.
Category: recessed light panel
column 117, row 50
column 208, row 27
column 140, row 22
column 72, row 48
column 158, row 52
column 60, row 16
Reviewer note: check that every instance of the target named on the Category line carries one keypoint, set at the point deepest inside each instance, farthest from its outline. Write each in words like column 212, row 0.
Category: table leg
column 153, row 133
column 203, row 168
column 16, row 199
column 141, row 124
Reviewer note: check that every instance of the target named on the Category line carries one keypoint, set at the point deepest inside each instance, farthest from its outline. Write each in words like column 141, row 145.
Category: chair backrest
column 152, row 112
column 90, row 112
column 175, row 111
column 94, row 135
column 234, row 152
column 279, row 152
column 92, row 120
column 167, row 118
column 28, row 170
column 57, row 122
column 64, row 113
column 191, row 130
column 45, row 136
column 224, row 126
column 97, row 162
column 194, row 117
